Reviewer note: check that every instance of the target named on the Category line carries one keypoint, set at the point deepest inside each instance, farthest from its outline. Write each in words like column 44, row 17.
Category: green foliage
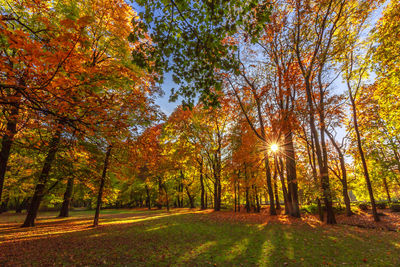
column 387, row 63
column 311, row 208
column 194, row 36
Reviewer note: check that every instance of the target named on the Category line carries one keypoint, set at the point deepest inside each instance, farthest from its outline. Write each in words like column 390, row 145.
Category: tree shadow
column 187, row 238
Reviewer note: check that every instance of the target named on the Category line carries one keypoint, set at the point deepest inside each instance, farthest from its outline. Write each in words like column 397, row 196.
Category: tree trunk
column 320, row 210
column 234, row 193
column 178, row 198
column 206, row 199
column 23, row 205
column 202, row 200
column 216, row 206
column 148, row 199
column 102, row 182
column 323, row 166
column 4, row 204
column 64, row 212
column 258, row 206
column 282, row 178
column 278, row 205
column 343, row 180
column 344, row 184
column 217, row 183
column 166, row 196
column 291, row 175
column 247, row 199
column 160, row 193
column 272, row 210
column 238, row 192
column 364, row 162
column 311, row 160
column 386, row 189
column 8, row 139
column 43, row 178
column 191, row 198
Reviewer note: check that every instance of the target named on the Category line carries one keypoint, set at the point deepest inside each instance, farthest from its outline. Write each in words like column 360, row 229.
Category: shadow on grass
column 186, row 238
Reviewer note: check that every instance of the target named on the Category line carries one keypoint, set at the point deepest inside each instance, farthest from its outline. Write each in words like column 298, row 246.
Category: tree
column 112, row 85
column 386, row 63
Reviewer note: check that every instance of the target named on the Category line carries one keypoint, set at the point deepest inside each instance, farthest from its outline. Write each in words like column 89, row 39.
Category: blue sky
column 168, row 107
column 163, row 101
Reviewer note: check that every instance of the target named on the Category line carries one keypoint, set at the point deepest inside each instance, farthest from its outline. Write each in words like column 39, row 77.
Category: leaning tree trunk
column 343, row 180
column 8, row 139
column 387, row 189
column 43, row 178
column 364, row 162
column 191, row 198
column 102, row 182
column 346, row 197
column 323, row 166
column 64, row 212
column 311, row 157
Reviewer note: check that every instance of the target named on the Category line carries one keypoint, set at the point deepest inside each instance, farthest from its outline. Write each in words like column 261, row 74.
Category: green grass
column 157, row 238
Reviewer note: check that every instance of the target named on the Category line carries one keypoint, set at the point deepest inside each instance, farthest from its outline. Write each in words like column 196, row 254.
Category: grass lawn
column 189, row 238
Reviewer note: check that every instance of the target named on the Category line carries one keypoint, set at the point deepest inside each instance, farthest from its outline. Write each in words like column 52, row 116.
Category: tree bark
column 386, row 189
column 101, row 188
column 247, row 199
column 43, row 178
column 148, row 199
column 279, row 166
column 8, row 139
column 278, row 205
column 311, row 158
column 166, row 196
column 238, row 195
column 217, row 183
column 24, row 204
column 343, row 180
column 323, row 166
column 272, row 210
column 258, row 206
column 364, row 162
column 191, row 198
column 202, row 199
column 160, row 193
column 291, row 175
column 64, row 212
column 235, row 194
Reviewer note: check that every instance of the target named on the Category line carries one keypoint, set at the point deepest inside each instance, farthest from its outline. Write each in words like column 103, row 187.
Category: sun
column 274, row 147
